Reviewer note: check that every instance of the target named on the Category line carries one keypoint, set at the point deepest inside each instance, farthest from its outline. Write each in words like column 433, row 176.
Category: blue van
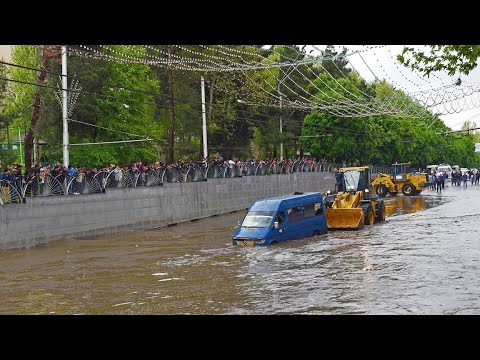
column 282, row 218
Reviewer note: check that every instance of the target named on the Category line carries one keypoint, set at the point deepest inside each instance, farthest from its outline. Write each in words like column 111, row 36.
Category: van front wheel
column 316, row 232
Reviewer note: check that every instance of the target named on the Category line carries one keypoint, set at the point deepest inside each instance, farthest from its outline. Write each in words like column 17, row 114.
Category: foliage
column 3, row 92
column 19, row 97
column 381, row 139
column 451, row 58
column 116, row 96
column 133, row 98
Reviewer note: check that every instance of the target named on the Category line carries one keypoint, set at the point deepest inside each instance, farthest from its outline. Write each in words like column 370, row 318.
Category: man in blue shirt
column 7, row 176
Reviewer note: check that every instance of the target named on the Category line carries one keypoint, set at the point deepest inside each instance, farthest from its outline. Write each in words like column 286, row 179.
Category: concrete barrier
column 44, row 219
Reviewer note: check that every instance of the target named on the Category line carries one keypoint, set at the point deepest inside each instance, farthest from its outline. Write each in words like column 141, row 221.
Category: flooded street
column 424, row 259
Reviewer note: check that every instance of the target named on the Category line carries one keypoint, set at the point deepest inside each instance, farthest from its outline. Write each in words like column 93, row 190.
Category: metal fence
column 90, row 183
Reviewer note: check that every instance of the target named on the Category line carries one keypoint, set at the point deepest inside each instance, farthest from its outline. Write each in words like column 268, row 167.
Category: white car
column 464, row 170
column 445, row 168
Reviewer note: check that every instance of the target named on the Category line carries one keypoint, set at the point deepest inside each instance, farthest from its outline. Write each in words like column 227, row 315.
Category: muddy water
column 422, row 260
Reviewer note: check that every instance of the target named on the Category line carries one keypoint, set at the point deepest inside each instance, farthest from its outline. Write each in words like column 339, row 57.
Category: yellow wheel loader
column 403, row 180
column 354, row 205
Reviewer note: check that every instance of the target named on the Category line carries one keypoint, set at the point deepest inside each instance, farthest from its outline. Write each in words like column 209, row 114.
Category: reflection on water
column 401, row 266
column 399, row 205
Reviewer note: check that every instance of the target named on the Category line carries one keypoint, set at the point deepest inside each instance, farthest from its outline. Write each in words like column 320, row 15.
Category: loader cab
column 356, row 179
column 400, row 171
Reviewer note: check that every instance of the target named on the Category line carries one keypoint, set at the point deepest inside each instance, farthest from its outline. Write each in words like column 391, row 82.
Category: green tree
column 3, row 93
column 19, row 98
column 116, row 96
column 7, row 155
column 126, row 112
column 451, row 58
column 380, row 139
column 335, row 138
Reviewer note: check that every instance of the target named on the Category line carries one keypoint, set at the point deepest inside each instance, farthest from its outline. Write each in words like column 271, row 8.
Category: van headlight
column 259, row 241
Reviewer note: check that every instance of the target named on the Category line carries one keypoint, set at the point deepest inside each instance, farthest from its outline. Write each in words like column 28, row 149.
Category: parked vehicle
column 409, row 183
column 282, row 218
column 445, row 168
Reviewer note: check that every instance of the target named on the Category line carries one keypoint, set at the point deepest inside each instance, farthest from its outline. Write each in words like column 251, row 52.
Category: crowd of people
column 135, row 173
column 138, row 167
column 457, row 177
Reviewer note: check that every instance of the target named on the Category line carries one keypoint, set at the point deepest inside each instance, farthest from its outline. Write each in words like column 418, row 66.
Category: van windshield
column 258, row 219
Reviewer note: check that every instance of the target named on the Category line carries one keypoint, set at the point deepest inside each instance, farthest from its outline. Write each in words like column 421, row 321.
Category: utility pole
column 171, row 133
column 204, row 122
column 66, row 155
column 281, row 123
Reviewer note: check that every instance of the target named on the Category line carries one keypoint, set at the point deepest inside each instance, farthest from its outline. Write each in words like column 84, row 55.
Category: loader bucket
column 345, row 218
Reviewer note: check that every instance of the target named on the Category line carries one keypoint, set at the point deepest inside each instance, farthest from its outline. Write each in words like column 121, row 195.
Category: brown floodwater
column 422, row 260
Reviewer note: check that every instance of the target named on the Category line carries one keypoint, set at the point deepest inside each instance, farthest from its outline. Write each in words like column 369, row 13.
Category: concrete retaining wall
column 44, row 219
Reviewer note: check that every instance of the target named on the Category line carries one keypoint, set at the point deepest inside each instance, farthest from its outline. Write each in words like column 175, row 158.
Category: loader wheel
column 369, row 216
column 381, row 190
column 381, row 211
column 408, row 190
column 393, row 193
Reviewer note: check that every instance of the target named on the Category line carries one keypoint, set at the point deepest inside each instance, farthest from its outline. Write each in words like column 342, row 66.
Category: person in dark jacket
column 7, row 176
column 338, row 181
column 465, row 179
column 438, row 183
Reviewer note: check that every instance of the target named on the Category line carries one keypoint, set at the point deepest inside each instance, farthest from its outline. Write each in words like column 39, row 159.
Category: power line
column 112, row 142
column 457, row 131
column 138, row 101
column 120, row 87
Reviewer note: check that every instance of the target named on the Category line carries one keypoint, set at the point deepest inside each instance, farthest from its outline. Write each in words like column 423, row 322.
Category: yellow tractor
column 354, row 205
column 403, row 180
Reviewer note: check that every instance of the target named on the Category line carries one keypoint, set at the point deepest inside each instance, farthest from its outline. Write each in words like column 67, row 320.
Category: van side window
column 318, row 209
column 295, row 214
column 309, row 211
column 280, row 217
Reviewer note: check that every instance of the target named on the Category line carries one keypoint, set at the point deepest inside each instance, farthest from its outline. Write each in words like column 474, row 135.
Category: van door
column 314, row 218
column 295, row 223
column 280, row 234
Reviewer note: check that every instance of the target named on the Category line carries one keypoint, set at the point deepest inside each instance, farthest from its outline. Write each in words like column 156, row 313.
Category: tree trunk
column 28, row 145
column 171, row 132
column 35, row 150
column 47, row 54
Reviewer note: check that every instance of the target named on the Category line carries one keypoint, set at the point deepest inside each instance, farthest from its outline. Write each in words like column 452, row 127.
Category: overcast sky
column 382, row 62
column 5, row 52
